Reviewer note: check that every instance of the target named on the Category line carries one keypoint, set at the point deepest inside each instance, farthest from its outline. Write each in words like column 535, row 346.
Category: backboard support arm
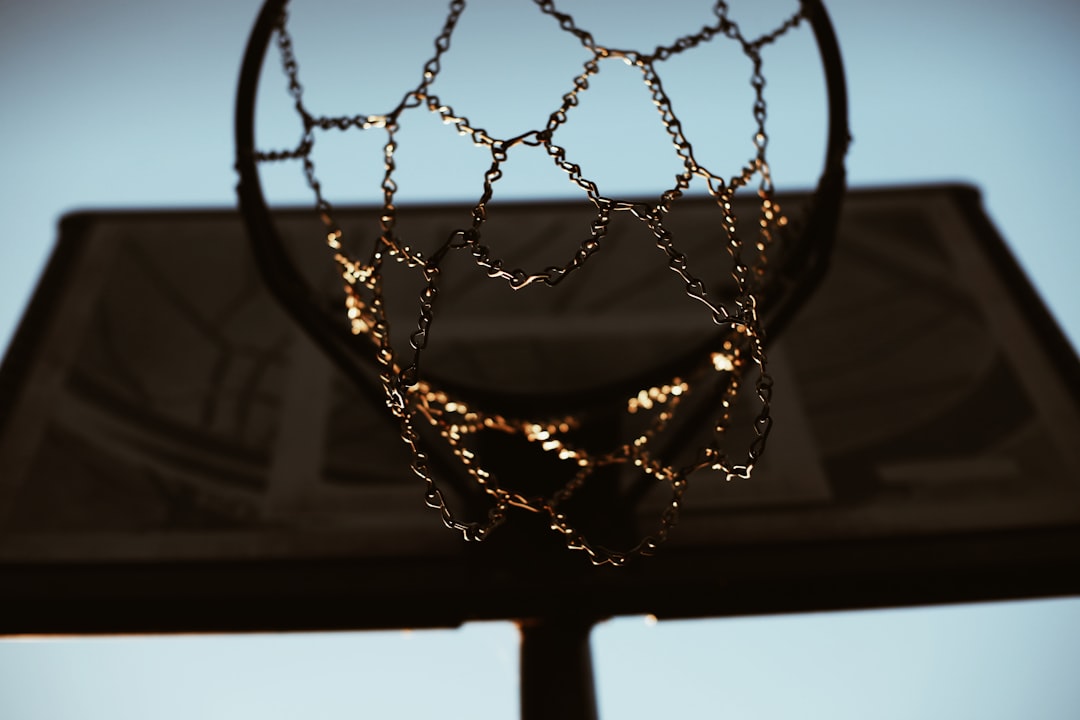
column 556, row 669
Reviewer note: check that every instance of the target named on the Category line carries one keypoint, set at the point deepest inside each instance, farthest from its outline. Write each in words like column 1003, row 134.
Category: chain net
column 424, row 409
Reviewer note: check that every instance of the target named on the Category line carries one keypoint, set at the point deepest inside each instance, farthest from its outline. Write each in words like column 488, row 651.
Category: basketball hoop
column 454, row 418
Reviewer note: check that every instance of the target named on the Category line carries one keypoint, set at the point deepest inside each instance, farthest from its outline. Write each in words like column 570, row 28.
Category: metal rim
column 801, row 270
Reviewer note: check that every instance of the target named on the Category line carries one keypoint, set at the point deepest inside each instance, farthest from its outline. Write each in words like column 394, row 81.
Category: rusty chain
column 417, row 403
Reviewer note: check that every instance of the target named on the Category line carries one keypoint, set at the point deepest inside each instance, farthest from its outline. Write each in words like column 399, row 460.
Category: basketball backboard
column 175, row 455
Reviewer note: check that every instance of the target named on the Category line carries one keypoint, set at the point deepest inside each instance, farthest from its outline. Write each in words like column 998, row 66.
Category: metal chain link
column 415, row 402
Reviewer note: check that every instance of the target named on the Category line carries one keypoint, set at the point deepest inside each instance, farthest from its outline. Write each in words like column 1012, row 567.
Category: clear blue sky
column 112, row 103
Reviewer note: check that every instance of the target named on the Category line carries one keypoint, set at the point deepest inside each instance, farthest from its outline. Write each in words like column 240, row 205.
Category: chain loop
column 416, row 402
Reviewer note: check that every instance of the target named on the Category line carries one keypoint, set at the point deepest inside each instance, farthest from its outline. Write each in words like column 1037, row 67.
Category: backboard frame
column 737, row 575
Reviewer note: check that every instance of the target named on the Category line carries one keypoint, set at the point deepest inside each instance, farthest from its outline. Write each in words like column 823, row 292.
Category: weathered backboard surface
column 176, row 455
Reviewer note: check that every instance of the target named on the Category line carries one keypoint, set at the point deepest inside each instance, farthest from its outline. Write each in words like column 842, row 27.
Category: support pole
column 556, row 670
